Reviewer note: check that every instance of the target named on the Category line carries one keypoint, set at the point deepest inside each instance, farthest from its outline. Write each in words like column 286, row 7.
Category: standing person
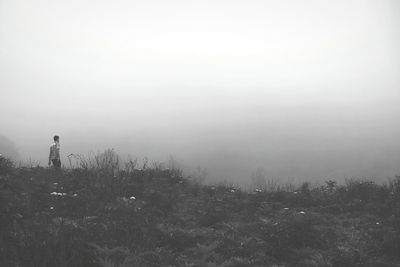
column 54, row 156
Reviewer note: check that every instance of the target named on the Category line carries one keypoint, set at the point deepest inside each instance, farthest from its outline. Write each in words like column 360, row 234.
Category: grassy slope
column 155, row 217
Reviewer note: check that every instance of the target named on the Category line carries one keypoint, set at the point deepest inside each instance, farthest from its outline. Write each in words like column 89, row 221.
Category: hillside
column 97, row 216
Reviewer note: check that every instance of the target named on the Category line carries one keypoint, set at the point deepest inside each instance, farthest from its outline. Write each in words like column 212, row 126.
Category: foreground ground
column 155, row 217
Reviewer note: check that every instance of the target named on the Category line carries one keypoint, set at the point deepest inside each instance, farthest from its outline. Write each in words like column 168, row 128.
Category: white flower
column 58, row 194
column 232, row 190
column 75, row 195
column 377, row 223
column 302, row 212
column 132, row 198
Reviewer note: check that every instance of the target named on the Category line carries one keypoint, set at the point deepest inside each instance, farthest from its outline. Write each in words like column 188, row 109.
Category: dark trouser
column 56, row 163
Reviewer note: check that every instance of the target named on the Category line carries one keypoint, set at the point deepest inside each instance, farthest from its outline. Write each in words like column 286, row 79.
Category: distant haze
column 306, row 89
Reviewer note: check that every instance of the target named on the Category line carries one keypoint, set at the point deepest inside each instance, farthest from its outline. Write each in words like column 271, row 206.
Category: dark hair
column 56, row 137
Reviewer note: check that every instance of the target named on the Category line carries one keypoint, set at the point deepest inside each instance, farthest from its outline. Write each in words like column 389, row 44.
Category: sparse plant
column 259, row 179
column 200, row 175
column 130, row 165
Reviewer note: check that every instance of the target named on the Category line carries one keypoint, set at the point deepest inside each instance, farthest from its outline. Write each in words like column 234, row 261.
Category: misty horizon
column 306, row 90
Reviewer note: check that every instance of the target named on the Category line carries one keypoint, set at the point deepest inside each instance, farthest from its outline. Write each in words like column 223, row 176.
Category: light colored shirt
column 54, row 151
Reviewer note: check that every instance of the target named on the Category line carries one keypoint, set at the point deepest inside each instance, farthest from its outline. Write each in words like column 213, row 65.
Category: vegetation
column 98, row 213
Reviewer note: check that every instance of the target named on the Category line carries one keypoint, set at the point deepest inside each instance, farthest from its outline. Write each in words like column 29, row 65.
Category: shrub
column 362, row 190
column 6, row 165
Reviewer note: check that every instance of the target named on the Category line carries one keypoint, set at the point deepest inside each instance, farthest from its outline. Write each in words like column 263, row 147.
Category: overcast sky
column 306, row 89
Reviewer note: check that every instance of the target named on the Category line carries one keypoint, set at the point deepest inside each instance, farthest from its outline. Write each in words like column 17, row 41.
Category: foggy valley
column 305, row 90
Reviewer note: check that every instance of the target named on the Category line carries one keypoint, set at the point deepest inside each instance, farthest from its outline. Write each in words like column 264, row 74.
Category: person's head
column 56, row 138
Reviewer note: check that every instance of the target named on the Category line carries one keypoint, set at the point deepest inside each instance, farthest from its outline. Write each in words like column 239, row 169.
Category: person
column 54, row 156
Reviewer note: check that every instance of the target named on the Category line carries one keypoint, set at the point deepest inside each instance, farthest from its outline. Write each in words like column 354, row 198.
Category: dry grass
column 102, row 212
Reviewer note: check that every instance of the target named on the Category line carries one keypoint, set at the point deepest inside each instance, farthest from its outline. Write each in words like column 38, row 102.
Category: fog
column 306, row 90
